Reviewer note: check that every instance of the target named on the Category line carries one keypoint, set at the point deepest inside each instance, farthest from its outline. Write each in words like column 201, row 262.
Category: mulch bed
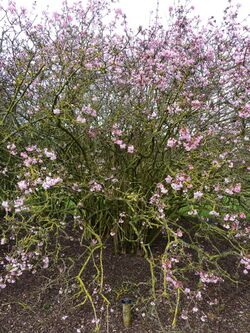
column 43, row 303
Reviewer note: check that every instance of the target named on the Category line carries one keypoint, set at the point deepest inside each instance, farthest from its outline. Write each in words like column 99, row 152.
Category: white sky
column 138, row 11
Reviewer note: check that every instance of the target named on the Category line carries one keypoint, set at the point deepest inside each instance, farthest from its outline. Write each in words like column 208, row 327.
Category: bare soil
column 44, row 302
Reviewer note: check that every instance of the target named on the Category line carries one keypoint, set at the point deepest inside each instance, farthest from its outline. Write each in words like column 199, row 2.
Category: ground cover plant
column 109, row 134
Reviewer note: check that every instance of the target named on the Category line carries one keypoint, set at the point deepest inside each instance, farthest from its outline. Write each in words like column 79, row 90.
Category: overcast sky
column 138, row 11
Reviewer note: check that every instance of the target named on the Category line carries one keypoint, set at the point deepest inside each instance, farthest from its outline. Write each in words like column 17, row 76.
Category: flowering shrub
column 131, row 134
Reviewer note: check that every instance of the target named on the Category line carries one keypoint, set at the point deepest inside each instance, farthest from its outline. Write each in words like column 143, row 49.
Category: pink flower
column 246, row 262
column 171, row 143
column 5, row 205
column 184, row 316
column 12, row 7
column 131, row 149
column 89, row 111
column 176, row 186
column 168, row 179
column 50, row 182
column 246, row 112
column 45, row 262
column 12, row 148
column 80, row 119
column 56, row 111
column 2, row 285
column 88, row 65
column 198, row 195
column 179, row 233
column 118, row 11
column 162, row 188
column 23, row 185
column 185, row 134
column 24, row 155
column 116, row 132
column 50, row 154
column 216, row 164
column 196, row 104
column 229, row 191
column 95, row 187
column 242, row 215
column 3, row 241
column 199, row 296
column 118, row 142
column 209, row 277
column 236, row 188
column 31, row 148
column 193, row 143
column 18, row 202
column 154, row 199
column 214, row 213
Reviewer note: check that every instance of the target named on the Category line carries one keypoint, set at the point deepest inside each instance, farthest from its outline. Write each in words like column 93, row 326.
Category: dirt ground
column 43, row 303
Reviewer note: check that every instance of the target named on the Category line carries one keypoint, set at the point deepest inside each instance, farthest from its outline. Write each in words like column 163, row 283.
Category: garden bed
column 43, row 302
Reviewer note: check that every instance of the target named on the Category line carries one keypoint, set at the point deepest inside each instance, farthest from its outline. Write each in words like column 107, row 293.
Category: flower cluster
column 188, row 141
column 167, row 267
column 208, row 277
column 181, row 181
column 246, row 262
column 95, row 186
column 14, row 266
column 116, row 138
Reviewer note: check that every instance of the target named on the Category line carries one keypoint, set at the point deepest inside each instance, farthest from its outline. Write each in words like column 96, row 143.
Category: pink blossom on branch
column 131, row 149
column 56, row 112
column 198, row 195
column 50, row 182
column 171, row 143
